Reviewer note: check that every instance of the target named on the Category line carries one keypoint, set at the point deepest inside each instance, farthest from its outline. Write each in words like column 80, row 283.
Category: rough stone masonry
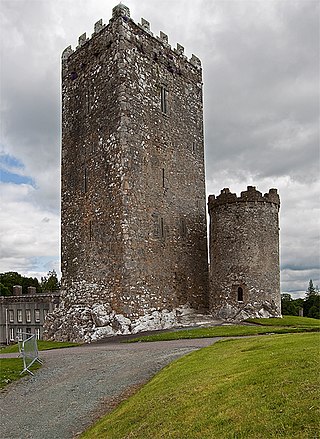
column 133, row 226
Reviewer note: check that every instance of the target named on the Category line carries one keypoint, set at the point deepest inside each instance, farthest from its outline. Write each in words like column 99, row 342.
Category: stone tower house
column 134, row 243
column 244, row 254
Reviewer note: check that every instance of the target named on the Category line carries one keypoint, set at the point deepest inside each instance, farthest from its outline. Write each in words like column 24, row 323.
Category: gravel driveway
column 77, row 385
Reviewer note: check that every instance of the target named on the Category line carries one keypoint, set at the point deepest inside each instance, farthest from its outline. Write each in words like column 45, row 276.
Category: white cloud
column 28, row 232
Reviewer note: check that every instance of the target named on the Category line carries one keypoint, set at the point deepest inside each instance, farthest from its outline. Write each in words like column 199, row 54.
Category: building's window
column 19, row 315
column 37, row 315
column 11, row 316
column 183, row 227
column 28, row 331
column 164, row 100
column 161, row 227
column 19, row 334
column 193, row 147
column 28, row 315
column 163, row 178
column 85, row 180
column 11, row 334
column 37, row 332
column 45, row 313
column 240, row 294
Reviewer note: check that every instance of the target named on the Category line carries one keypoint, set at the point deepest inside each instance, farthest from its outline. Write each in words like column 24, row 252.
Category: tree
column 311, row 289
column 311, row 305
column 50, row 282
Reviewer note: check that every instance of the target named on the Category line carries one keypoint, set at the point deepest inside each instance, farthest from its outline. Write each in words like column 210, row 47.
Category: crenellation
column 145, row 25
column 82, row 40
column 123, row 12
column 180, row 51
column 66, row 53
column 164, row 39
column 98, row 26
column 251, row 194
column 195, row 61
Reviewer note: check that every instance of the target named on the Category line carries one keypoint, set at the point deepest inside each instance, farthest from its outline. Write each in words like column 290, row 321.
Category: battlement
column 122, row 12
column 250, row 195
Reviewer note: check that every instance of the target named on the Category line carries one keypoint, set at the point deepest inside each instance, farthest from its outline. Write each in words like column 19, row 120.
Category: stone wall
column 133, row 188
column 244, row 254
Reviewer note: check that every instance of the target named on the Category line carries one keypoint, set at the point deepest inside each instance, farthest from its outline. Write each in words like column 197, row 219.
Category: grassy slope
column 264, row 326
column 264, row 387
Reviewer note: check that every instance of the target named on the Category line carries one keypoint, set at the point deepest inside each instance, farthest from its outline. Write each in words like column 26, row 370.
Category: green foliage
column 312, row 290
column 310, row 305
column 50, row 282
column 289, row 306
column 10, row 369
column 261, row 387
column 11, row 278
column 4, row 290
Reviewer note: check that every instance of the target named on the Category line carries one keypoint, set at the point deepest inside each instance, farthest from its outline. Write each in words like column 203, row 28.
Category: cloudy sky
column 261, row 95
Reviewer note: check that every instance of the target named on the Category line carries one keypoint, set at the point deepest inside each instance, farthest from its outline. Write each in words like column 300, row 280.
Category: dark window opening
column 240, row 294
column 163, row 178
column 164, row 100
column 85, row 180
column 90, row 231
column 193, row 146
column 183, row 228
column 161, row 228
column 74, row 75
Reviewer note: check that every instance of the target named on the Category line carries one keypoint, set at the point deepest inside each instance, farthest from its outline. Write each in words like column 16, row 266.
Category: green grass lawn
column 285, row 325
column 256, row 388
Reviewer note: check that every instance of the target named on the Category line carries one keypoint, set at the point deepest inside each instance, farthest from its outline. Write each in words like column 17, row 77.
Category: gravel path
column 77, row 385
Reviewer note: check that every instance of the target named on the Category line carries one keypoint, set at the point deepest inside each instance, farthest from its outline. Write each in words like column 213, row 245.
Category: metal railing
column 28, row 349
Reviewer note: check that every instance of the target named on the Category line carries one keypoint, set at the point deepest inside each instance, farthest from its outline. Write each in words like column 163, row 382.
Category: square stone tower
column 133, row 233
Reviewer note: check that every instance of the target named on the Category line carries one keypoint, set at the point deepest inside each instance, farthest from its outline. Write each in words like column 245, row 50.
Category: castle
column 133, row 227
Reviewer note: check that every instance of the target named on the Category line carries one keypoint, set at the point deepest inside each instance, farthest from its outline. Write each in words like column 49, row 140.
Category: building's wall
column 91, row 206
column 164, row 209
column 33, row 310
column 244, row 252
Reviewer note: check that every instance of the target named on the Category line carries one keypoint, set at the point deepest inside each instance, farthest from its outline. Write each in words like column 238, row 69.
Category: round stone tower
column 244, row 254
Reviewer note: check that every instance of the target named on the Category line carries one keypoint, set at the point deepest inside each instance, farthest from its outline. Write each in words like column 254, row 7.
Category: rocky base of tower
column 231, row 312
column 81, row 323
